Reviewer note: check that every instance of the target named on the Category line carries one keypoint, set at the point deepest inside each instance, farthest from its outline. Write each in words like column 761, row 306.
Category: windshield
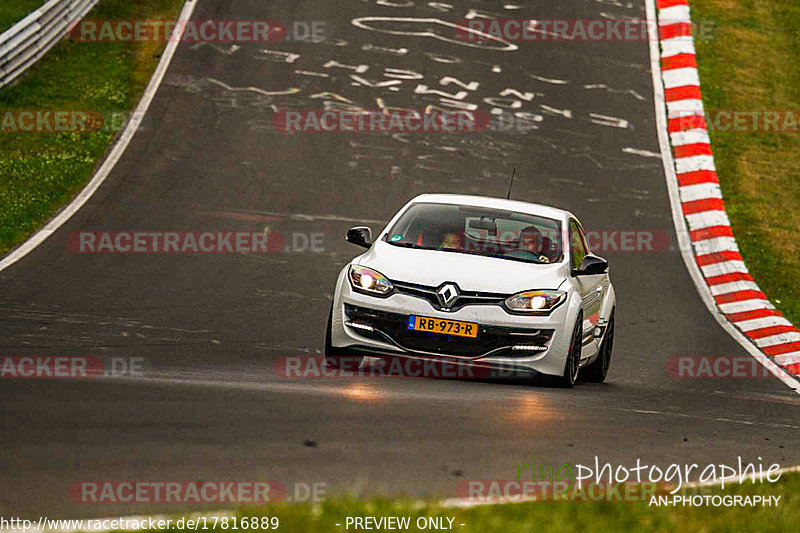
column 478, row 230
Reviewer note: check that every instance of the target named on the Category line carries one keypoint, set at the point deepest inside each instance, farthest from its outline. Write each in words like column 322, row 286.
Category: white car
column 477, row 280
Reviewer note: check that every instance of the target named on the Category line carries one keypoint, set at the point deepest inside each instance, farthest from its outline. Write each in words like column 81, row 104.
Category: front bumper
column 520, row 343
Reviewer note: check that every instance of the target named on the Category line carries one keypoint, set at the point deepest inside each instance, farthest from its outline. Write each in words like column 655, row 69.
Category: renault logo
column 447, row 294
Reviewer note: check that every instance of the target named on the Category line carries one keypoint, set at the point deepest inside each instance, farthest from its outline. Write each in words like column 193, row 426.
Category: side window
column 577, row 244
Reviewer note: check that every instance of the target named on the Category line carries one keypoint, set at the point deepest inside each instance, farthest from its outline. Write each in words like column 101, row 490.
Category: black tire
column 339, row 357
column 572, row 366
column 597, row 371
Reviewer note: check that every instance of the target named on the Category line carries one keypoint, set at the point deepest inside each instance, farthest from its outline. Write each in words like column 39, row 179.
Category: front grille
column 490, row 338
column 464, row 298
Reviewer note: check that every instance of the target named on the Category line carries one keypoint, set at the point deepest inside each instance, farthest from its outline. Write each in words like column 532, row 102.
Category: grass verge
column 749, row 62
column 41, row 171
column 13, row 12
column 565, row 516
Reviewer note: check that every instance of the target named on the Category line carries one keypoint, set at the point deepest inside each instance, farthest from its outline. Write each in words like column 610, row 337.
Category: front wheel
column 572, row 366
column 598, row 370
column 339, row 357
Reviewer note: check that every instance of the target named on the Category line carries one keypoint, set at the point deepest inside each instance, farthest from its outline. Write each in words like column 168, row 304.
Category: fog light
column 357, row 325
column 529, row 348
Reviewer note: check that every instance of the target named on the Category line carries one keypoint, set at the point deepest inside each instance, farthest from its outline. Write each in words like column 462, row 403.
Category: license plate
column 443, row 326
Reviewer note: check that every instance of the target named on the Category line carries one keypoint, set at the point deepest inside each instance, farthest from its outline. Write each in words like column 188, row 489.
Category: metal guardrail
column 28, row 40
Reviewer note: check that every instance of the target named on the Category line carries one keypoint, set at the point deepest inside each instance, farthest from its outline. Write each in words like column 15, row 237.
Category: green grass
column 13, row 11
column 750, row 62
column 565, row 516
column 40, row 172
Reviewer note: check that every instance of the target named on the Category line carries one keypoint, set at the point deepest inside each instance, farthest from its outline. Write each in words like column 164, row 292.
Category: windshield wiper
column 500, row 256
column 406, row 244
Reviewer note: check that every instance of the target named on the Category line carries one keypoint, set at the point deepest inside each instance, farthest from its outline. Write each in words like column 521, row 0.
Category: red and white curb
column 730, row 290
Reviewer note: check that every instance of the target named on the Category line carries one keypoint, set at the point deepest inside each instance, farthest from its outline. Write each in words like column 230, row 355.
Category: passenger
column 452, row 241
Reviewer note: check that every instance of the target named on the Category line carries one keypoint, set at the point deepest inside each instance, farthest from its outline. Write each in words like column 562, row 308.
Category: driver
column 530, row 245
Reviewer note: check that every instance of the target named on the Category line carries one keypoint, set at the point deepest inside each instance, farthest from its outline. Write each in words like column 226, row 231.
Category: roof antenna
column 508, row 196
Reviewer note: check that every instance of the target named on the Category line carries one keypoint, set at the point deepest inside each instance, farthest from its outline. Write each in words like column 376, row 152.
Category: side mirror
column 592, row 266
column 360, row 236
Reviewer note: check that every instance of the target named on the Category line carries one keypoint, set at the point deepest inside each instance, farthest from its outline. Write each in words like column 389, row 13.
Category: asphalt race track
column 210, row 326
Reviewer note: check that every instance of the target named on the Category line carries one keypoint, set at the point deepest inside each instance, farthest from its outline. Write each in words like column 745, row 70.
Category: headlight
column 369, row 281
column 536, row 301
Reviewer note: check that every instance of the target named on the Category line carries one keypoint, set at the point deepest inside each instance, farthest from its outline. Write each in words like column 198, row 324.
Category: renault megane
column 477, row 280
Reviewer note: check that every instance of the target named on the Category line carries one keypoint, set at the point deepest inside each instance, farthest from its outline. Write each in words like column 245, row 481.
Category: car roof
column 495, row 203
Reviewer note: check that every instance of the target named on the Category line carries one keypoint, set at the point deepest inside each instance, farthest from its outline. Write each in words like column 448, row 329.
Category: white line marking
column 278, row 56
column 694, row 163
column 363, row 23
column 607, row 120
column 678, row 45
column 643, row 153
column 745, row 305
column 673, row 15
column 681, row 77
column 309, row 73
column 691, row 106
column 716, row 245
column 677, row 213
column 554, row 81
column 116, row 153
column 283, row 92
column 232, row 49
column 725, row 267
column 788, row 358
column 764, row 322
column 680, row 138
column 700, row 191
column 616, row 91
column 707, row 219
column 734, row 286
column 783, row 338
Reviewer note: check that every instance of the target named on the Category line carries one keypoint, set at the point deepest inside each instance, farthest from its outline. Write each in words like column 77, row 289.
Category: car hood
column 470, row 272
